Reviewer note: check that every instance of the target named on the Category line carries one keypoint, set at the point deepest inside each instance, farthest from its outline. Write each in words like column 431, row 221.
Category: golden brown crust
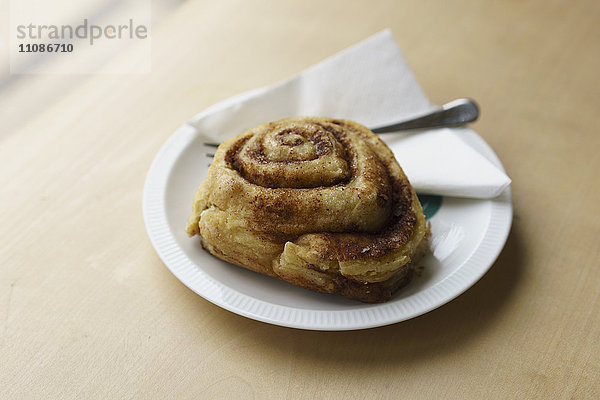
column 373, row 292
column 320, row 203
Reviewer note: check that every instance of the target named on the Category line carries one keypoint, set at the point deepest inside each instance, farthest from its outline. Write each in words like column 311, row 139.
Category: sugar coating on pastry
column 321, row 203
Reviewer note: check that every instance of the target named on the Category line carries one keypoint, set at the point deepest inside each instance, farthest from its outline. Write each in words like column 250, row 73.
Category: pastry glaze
column 317, row 202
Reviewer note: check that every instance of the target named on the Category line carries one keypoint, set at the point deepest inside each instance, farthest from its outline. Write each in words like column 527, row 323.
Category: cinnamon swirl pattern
column 317, row 202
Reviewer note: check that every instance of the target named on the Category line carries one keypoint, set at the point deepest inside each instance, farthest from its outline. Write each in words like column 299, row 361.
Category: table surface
column 88, row 310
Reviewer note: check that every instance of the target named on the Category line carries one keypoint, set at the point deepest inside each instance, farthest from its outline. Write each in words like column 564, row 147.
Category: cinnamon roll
column 321, row 203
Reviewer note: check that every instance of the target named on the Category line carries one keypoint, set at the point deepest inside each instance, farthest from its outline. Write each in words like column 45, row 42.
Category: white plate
column 467, row 237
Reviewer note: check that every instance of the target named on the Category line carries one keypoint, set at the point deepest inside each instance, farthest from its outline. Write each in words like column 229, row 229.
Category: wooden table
column 87, row 309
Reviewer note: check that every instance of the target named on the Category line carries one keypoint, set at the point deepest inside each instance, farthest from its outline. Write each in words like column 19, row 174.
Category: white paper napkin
column 370, row 83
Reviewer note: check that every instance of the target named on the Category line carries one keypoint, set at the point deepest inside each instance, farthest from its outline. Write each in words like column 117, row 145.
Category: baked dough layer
column 318, row 202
